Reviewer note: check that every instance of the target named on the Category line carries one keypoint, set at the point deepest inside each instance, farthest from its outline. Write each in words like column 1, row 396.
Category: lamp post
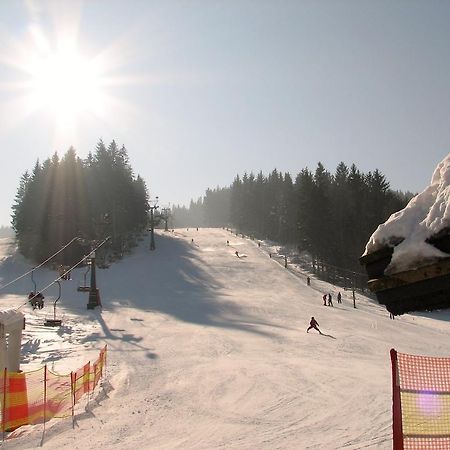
column 153, row 206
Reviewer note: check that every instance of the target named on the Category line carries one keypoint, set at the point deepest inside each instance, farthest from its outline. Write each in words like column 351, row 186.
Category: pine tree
column 68, row 197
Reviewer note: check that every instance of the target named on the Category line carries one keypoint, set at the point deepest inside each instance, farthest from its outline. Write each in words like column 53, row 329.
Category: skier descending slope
column 313, row 324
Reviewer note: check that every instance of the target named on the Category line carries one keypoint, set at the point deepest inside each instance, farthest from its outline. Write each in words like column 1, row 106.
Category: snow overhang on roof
column 410, row 232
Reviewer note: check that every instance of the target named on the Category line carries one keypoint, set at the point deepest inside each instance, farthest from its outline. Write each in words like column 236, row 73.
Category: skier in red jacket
column 313, row 324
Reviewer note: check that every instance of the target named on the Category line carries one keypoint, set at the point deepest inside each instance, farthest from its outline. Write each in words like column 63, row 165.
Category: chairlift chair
column 85, row 287
column 64, row 273
column 35, row 298
column 54, row 322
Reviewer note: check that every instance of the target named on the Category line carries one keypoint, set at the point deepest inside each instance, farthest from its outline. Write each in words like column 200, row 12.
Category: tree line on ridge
column 329, row 216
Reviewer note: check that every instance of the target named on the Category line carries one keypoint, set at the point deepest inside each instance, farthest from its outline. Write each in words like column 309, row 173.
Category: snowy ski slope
column 210, row 351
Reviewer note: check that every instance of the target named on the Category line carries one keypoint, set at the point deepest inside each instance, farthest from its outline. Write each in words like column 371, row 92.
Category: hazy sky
column 199, row 91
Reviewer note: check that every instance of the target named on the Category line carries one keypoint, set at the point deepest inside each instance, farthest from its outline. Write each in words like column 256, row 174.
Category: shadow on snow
column 168, row 280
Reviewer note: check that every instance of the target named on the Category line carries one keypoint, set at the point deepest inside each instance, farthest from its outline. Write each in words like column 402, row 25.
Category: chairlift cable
column 40, row 265
column 63, row 274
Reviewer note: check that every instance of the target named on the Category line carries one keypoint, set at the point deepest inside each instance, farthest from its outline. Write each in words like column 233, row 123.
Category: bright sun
column 58, row 81
column 66, row 83
column 59, row 77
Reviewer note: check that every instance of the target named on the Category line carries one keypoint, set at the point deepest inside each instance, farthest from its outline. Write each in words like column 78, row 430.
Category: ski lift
column 64, row 272
column 35, row 298
column 33, row 281
column 85, row 287
column 54, row 322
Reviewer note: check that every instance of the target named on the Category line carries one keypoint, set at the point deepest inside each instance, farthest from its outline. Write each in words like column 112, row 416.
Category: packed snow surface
column 424, row 216
column 208, row 351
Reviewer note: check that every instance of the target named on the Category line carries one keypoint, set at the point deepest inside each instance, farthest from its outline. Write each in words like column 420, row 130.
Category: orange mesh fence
column 421, row 402
column 59, row 396
column 97, row 368
column 14, row 399
column 38, row 396
column 35, row 393
column 81, row 382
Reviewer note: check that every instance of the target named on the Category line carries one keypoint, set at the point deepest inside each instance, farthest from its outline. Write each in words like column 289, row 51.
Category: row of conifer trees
column 67, row 197
column 330, row 216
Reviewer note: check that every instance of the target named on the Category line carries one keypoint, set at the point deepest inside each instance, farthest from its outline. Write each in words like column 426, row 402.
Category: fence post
column 5, row 375
column 72, row 391
column 104, row 356
column 397, row 428
column 45, row 403
column 89, row 384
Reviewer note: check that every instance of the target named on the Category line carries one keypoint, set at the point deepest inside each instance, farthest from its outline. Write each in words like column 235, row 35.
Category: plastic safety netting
column 421, row 402
column 38, row 396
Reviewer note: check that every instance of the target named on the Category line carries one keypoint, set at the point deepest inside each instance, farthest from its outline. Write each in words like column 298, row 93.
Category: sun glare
column 66, row 86
column 57, row 80
column 66, row 83
column 60, row 78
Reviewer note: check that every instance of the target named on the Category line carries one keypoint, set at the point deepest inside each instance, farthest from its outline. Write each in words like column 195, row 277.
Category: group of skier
column 328, row 299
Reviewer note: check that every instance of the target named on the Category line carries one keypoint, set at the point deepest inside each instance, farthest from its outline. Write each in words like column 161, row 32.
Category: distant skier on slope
column 324, row 298
column 237, row 253
column 313, row 324
column 330, row 302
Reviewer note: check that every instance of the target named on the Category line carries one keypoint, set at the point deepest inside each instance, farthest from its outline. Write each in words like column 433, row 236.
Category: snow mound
column 427, row 214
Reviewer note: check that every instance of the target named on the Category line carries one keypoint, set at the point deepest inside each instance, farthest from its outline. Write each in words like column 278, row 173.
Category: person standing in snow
column 324, row 298
column 330, row 303
column 308, row 281
column 339, row 297
column 313, row 324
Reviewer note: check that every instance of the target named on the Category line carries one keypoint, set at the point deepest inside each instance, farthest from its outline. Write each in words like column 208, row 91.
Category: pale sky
column 199, row 91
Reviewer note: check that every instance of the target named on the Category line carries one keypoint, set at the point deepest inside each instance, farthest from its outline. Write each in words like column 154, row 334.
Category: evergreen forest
column 68, row 197
column 329, row 216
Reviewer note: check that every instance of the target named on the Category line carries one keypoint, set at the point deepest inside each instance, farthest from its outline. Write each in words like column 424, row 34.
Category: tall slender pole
column 93, row 291
column 165, row 214
column 152, row 227
column 72, row 395
column 353, row 292
column 5, row 376
column 152, row 224
column 45, row 403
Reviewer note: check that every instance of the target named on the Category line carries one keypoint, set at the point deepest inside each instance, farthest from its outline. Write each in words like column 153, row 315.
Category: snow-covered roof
column 427, row 214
